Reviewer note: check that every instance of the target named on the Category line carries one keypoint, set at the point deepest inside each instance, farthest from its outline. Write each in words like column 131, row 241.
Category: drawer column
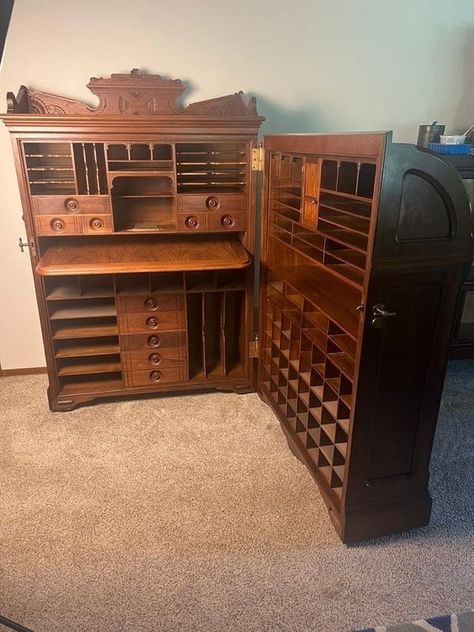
column 152, row 329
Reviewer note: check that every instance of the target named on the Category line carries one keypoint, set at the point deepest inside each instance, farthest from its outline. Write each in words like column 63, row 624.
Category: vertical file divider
column 203, row 334
column 223, row 317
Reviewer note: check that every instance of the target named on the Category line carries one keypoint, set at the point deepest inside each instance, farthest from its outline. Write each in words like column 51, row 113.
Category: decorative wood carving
column 230, row 105
column 128, row 95
column 44, row 103
column 135, row 93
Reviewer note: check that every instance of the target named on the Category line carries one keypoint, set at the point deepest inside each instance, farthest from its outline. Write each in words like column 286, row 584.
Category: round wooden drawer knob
column 154, row 358
column 71, row 205
column 96, row 223
column 192, row 222
column 152, row 322
column 213, row 203
column 57, row 224
column 155, row 376
column 152, row 303
column 228, row 221
column 153, row 341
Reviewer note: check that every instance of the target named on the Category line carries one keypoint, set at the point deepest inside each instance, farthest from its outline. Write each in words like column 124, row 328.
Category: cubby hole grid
column 339, row 239
column 308, row 371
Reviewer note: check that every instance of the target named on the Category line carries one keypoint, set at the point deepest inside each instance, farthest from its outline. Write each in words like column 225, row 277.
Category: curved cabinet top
column 424, row 212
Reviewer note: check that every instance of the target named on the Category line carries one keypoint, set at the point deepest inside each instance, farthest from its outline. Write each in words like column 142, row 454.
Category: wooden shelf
column 348, row 196
column 76, row 310
column 88, row 367
column 355, row 224
column 84, row 330
column 99, row 384
column 338, row 299
column 91, row 349
column 62, row 292
column 345, row 237
column 344, row 363
column 144, row 254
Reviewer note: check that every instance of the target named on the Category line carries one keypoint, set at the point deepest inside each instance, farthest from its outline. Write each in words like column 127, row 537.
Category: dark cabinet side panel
column 400, row 382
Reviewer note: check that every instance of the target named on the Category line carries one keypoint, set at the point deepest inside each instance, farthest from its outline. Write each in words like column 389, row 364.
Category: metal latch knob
column 380, row 314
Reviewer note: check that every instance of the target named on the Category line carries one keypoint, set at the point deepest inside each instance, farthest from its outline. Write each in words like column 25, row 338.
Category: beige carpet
column 191, row 514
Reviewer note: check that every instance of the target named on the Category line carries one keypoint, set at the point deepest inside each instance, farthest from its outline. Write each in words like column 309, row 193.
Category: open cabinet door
column 325, row 368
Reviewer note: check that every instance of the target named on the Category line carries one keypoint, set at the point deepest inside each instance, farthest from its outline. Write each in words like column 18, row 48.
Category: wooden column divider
column 223, row 346
column 203, row 333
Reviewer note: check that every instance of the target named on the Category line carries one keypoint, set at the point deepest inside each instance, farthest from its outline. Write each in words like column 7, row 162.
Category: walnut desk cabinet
column 141, row 222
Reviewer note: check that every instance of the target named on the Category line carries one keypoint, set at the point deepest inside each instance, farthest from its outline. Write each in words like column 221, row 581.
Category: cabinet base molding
column 378, row 521
column 66, row 403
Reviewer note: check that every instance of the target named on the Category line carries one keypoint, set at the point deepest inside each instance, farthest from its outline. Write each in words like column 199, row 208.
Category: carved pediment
column 136, row 94
column 129, row 95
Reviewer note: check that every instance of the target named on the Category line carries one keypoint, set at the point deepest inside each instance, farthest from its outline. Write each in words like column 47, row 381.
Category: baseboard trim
column 34, row 370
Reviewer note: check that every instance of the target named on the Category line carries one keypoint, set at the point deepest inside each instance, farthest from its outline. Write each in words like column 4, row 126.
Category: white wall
column 314, row 65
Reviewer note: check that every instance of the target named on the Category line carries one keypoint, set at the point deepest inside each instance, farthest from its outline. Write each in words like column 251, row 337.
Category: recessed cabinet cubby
column 141, row 217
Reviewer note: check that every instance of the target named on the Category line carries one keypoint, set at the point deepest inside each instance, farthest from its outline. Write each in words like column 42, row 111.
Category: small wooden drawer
column 150, row 303
column 58, row 225
column 72, row 224
column 192, row 222
column 154, row 359
column 97, row 224
column 152, row 341
column 70, row 204
column 155, row 377
column 149, row 323
column 222, row 202
column 226, row 221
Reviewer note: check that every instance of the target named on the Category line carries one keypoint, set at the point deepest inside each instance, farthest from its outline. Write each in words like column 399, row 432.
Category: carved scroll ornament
column 128, row 95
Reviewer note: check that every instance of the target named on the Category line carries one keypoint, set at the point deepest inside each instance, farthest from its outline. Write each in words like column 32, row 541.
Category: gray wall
column 314, row 65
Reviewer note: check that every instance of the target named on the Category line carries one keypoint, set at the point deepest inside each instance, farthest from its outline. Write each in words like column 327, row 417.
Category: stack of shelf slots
column 84, row 332
column 308, row 370
column 211, row 167
column 339, row 240
column 50, row 168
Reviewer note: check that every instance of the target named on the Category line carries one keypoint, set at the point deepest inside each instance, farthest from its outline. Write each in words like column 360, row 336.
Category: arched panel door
column 423, row 212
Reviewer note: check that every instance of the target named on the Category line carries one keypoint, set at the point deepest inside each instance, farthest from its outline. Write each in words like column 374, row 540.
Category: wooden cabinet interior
column 141, row 218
